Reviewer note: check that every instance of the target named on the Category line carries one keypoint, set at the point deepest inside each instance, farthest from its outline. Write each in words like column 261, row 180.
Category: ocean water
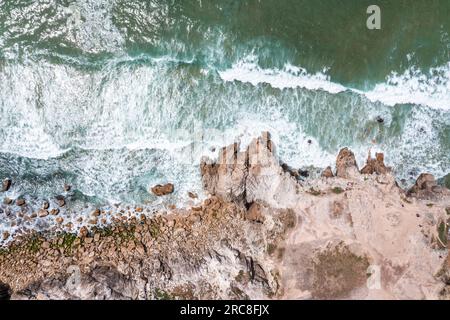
column 115, row 96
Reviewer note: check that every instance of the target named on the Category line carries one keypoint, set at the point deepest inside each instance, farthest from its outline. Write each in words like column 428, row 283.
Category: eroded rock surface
column 262, row 233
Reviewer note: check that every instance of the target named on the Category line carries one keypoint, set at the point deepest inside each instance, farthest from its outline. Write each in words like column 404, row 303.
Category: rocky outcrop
column 250, row 175
column 375, row 165
column 327, row 173
column 262, row 233
column 346, row 166
column 426, row 187
column 162, row 190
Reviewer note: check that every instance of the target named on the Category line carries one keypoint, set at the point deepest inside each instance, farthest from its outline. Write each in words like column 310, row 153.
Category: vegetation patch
column 337, row 190
column 337, row 271
column 314, row 192
column 160, row 294
column 34, row 244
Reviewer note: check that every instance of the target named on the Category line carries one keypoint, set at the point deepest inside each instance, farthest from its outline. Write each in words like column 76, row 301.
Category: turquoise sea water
column 114, row 96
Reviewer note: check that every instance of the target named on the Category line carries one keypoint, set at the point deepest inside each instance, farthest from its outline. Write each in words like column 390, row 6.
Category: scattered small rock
column 96, row 213
column 59, row 220
column 7, row 201
column 67, row 188
column 20, row 202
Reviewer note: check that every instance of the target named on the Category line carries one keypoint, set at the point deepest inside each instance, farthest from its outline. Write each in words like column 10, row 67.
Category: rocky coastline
column 264, row 232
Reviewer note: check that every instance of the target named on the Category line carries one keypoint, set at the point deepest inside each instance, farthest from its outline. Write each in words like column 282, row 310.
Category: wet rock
column 54, row 211
column 346, row 165
column 20, row 202
column 303, row 173
column 6, row 184
column 375, row 165
column 192, row 195
column 45, row 205
column 327, row 173
column 161, row 190
column 60, row 201
column 96, row 213
column 293, row 172
column 42, row 213
column 380, row 119
column 5, row 235
column 7, row 201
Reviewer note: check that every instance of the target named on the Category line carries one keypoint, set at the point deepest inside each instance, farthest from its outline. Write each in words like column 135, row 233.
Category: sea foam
column 414, row 86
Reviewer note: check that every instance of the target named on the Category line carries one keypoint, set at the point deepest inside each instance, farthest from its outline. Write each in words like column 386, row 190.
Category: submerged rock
column 161, row 190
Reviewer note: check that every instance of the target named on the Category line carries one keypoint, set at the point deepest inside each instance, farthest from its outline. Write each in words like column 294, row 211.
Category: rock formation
column 346, row 165
column 375, row 165
column 426, row 187
column 162, row 190
column 261, row 233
